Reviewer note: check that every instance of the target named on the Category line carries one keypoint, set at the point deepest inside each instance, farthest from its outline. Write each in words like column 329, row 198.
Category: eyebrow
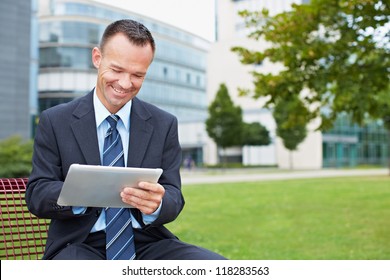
column 116, row 66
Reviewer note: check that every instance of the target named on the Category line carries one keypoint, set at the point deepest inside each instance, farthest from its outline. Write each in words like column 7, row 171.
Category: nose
column 125, row 81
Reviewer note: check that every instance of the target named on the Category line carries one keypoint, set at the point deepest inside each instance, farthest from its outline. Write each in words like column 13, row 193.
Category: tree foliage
column 291, row 127
column 226, row 127
column 15, row 157
column 224, row 124
column 255, row 134
column 338, row 50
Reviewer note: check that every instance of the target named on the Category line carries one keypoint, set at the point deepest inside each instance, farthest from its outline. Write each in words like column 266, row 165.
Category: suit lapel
column 140, row 133
column 84, row 129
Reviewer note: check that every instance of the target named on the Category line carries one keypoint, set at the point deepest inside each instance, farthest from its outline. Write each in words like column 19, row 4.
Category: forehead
column 120, row 51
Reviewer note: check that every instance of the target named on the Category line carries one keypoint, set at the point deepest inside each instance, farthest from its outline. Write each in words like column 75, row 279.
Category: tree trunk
column 224, row 159
column 291, row 160
column 221, row 156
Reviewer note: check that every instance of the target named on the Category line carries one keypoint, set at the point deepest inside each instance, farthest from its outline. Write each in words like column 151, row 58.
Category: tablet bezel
column 100, row 186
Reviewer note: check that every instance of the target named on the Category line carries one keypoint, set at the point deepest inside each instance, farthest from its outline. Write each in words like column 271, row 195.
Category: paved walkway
column 247, row 175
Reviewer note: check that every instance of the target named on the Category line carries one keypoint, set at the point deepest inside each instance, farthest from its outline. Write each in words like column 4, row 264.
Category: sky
column 195, row 16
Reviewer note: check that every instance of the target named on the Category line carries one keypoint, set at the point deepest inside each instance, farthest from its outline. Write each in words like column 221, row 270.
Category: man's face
column 122, row 68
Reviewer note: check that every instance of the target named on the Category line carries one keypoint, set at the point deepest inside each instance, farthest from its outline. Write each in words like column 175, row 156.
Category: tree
column 15, row 157
column 385, row 109
column 255, row 134
column 224, row 124
column 339, row 50
column 291, row 126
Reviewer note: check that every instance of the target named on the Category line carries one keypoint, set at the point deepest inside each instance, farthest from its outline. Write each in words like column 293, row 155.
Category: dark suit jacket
column 67, row 134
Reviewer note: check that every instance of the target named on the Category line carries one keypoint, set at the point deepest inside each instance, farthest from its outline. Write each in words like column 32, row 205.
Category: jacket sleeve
column 46, row 178
column 173, row 200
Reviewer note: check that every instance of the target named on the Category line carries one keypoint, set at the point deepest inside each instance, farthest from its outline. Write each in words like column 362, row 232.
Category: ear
column 96, row 57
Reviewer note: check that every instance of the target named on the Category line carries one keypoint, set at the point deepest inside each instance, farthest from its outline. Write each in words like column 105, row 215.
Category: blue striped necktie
column 119, row 231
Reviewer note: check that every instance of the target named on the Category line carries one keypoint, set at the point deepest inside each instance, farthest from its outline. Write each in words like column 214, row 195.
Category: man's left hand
column 146, row 196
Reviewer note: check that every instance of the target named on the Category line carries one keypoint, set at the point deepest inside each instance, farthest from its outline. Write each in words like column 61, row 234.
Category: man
column 77, row 132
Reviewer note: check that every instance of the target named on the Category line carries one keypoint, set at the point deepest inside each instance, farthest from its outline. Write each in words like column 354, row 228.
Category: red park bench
column 23, row 236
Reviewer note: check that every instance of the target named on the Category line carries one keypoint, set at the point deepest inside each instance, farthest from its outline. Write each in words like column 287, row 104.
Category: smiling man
column 111, row 126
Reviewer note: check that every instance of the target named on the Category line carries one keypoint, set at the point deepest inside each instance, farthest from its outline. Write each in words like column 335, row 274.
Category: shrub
column 15, row 157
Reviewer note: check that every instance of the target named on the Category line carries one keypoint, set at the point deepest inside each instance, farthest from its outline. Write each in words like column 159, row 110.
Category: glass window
column 71, row 32
column 67, row 57
column 165, row 70
column 45, row 103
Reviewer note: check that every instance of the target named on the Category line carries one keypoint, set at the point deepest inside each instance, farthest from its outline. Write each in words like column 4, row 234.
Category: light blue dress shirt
column 123, row 126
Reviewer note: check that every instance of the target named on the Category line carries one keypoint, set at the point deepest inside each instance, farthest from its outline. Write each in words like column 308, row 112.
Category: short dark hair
column 136, row 32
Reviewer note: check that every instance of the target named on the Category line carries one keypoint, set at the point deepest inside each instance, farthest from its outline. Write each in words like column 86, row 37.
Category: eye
column 116, row 71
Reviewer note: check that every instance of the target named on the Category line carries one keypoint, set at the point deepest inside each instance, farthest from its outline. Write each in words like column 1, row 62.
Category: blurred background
column 46, row 60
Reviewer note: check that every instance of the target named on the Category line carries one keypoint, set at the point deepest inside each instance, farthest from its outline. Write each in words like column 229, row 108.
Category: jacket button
column 97, row 213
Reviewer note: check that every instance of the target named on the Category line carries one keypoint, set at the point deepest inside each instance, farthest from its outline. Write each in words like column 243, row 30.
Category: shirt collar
column 101, row 112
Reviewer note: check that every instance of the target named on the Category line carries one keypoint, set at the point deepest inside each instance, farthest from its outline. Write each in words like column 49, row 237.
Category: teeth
column 118, row 91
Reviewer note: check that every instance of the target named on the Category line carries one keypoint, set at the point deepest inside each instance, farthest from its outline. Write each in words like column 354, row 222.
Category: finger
column 152, row 187
column 146, row 209
column 144, row 187
column 139, row 196
column 146, row 201
column 145, row 206
column 142, row 194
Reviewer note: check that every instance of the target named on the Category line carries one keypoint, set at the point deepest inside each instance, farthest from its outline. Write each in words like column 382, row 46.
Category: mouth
column 118, row 91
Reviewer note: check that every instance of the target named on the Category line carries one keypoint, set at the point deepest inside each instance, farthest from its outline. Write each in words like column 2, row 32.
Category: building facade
column 345, row 145
column 18, row 67
column 348, row 145
column 224, row 66
column 176, row 80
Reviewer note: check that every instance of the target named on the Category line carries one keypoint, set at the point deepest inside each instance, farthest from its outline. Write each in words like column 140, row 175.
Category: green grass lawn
column 324, row 218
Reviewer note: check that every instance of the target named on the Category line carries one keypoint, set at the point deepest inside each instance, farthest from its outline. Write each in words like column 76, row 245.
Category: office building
column 18, row 67
column 348, row 145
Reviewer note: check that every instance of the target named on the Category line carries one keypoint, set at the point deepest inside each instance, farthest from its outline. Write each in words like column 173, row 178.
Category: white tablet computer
column 100, row 186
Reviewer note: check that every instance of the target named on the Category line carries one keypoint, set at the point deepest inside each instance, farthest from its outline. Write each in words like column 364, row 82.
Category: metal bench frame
column 23, row 236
